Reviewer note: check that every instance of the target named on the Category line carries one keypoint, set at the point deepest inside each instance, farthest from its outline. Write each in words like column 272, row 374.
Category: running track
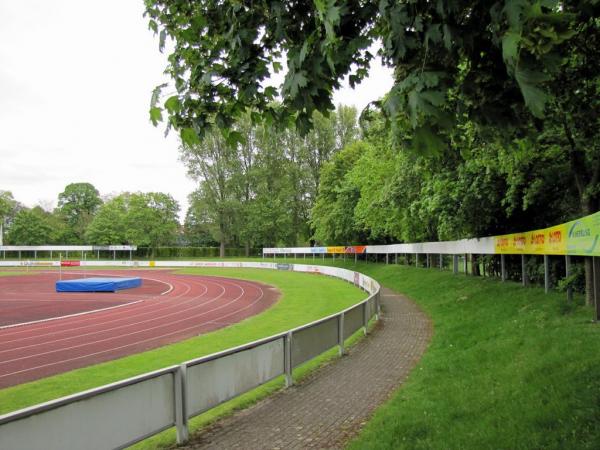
column 167, row 309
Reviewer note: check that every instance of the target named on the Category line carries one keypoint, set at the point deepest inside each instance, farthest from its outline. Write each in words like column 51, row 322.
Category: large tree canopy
column 488, row 59
column 78, row 204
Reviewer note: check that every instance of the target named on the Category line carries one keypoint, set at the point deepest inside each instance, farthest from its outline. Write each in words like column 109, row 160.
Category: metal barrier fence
column 120, row 414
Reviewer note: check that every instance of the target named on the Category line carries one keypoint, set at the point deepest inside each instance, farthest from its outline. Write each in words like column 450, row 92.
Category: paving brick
column 329, row 408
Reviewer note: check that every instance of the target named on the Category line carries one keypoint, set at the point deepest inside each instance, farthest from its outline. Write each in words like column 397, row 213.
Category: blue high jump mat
column 97, row 284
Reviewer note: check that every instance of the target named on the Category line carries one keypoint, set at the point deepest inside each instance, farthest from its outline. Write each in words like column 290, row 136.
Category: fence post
column 355, row 257
column 181, row 424
column 503, row 267
column 568, row 274
column 546, row 274
column 287, row 363
column 523, row 271
column 387, row 258
column 416, row 260
column 427, row 260
column 365, row 317
column 466, row 261
column 396, row 258
column 441, row 261
column 596, row 266
column 340, row 323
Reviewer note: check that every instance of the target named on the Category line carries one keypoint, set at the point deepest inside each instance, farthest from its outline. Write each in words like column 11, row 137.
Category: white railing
column 120, row 414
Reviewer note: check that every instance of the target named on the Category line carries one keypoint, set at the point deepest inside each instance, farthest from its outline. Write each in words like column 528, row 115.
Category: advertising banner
column 579, row 237
column 68, row 263
column 582, row 236
column 356, row 249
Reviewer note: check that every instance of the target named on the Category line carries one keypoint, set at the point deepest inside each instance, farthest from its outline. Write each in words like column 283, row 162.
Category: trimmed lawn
column 508, row 367
column 305, row 297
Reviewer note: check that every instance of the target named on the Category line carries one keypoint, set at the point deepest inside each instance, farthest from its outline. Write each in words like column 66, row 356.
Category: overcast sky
column 75, row 84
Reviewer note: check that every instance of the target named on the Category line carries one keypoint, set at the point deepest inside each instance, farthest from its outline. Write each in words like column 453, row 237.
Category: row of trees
column 260, row 191
column 83, row 217
column 492, row 124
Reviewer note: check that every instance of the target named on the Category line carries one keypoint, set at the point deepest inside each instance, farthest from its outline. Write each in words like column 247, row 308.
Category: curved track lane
column 155, row 316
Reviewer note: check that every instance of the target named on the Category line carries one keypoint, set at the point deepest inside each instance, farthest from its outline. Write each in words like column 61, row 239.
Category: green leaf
column 156, row 94
column 303, row 52
column 189, row 137
column 426, row 142
column 161, row 40
column 234, row 137
column 510, row 48
column 155, row 115
column 173, row 105
column 277, row 67
column 296, row 82
column 535, row 98
column 433, row 34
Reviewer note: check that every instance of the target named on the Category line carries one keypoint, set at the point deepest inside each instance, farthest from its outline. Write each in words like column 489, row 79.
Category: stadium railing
column 123, row 413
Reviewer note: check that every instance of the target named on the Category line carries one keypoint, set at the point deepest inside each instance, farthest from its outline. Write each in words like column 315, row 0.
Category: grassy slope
column 506, row 368
column 306, row 297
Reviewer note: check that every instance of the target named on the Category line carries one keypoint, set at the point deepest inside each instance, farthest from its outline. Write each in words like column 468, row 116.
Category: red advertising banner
column 70, row 263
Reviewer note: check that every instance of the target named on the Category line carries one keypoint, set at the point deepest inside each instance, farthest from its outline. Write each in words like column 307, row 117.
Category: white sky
column 75, row 84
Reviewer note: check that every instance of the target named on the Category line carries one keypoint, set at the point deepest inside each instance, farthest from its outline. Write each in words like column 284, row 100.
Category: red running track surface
column 104, row 326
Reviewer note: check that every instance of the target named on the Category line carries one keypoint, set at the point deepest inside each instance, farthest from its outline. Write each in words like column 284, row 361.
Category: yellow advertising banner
column 549, row 241
column 578, row 237
column 336, row 249
column 511, row 243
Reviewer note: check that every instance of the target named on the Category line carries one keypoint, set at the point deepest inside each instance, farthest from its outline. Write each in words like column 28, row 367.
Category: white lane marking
column 112, row 338
column 49, row 319
column 90, row 324
column 3, row 327
column 144, row 340
column 94, row 323
column 127, row 325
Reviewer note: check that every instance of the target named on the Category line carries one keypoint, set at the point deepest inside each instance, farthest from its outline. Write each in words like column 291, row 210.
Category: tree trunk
column 589, row 281
column 475, row 265
column 222, row 249
column 247, row 249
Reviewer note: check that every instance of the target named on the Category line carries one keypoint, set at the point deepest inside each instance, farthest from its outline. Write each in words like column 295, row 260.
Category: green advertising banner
column 578, row 237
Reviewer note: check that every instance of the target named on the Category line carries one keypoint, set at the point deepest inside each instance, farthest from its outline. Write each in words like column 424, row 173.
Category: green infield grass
column 508, row 367
column 305, row 297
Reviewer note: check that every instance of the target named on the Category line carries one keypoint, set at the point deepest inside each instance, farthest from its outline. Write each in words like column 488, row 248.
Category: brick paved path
column 329, row 408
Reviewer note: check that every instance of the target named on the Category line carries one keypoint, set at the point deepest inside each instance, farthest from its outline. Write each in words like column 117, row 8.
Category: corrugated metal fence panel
column 108, row 420
column 310, row 342
column 216, row 381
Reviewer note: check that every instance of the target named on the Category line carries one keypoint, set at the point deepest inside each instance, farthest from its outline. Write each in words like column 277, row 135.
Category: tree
column 492, row 56
column 108, row 226
column 196, row 229
column 333, row 213
column 142, row 219
column 8, row 208
column 151, row 219
column 30, row 227
column 77, row 204
column 214, row 165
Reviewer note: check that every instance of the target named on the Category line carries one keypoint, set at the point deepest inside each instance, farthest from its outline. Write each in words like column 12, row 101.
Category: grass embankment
column 508, row 367
column 305, row 297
